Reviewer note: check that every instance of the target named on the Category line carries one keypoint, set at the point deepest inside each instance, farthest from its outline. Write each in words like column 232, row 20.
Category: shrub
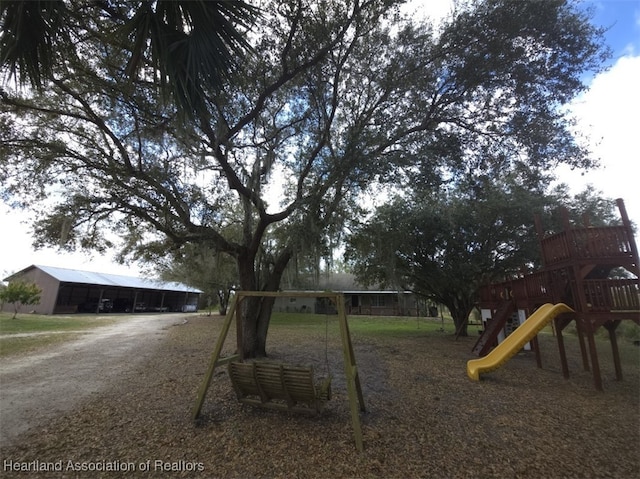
column 20, row 293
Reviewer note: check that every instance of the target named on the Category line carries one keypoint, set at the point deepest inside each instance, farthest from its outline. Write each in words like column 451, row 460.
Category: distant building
column 70, row 291
column 374, row 301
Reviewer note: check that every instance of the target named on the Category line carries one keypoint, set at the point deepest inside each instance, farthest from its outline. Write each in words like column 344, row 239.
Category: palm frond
column 31, row 37
column 192, row 45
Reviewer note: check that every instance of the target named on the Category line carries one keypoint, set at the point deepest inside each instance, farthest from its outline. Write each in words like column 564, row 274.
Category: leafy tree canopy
column 337, row 96
column 444, row 245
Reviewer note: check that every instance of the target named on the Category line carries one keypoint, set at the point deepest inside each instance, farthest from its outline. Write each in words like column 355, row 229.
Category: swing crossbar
column 279, row 386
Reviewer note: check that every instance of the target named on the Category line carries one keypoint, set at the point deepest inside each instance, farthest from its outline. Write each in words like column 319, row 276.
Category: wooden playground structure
column 577, row 266
column 280, row 386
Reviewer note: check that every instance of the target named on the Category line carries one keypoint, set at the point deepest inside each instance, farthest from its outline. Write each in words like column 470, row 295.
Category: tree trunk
column 254, row 331
column 223, row 300
column 256, row 311
column 460, row 314
column 461, row 326
column 402, row 303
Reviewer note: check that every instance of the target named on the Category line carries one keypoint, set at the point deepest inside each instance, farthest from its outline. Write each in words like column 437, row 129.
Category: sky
column 607, row 113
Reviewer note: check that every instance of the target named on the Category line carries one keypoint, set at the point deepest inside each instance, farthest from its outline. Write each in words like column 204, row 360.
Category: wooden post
column 597, row 379
column 99, row 301
column 351, row 372
column 563, row 353
column 215, row 356
column 611, row 327
column 627, row 224
column 535, row 344
column 239, row 327
column 583, row 346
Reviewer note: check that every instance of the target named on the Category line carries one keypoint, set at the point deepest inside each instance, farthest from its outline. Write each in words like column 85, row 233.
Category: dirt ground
column 37, row 387
column 425, row 418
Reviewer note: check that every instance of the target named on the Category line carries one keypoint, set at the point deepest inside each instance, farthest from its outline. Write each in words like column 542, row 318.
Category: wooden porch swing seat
column 279, row 386
column 270, row 384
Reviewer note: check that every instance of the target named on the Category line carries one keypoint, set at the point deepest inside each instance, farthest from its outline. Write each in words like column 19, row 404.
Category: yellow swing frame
column 354, row 388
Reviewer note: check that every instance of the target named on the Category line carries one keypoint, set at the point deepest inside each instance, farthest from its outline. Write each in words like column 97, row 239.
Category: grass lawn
column 29, row 332
column 31, row 323
column 361, row 325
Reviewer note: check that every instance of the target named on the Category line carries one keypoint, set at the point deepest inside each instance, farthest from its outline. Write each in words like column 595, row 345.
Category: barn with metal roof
column 69, row 291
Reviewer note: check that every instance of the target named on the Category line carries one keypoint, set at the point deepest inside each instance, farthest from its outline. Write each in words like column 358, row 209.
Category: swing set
column 283, row 386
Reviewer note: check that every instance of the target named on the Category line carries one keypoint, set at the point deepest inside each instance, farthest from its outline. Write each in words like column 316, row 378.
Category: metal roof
column 65, row 275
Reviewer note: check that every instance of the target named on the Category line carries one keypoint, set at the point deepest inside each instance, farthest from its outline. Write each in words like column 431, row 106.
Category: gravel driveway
column 35, row 388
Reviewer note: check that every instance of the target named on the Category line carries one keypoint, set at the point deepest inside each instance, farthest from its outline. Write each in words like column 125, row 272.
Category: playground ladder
column 493, row 327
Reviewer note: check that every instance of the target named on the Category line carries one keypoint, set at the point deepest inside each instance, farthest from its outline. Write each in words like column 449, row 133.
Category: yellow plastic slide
column 516, row 340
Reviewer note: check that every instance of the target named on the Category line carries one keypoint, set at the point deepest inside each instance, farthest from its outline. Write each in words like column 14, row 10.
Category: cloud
column 608, row 114
column 611, row 104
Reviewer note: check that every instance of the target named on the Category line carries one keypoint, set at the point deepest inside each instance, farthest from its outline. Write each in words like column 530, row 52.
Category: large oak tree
column 445, row 244
column 336, row 96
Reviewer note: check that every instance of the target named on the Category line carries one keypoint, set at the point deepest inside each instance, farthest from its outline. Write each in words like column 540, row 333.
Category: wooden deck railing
column 492, row 293
column 602, row 295
column 533, row 286
column 586, row 243
column 612, row 294
column 537, row 285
